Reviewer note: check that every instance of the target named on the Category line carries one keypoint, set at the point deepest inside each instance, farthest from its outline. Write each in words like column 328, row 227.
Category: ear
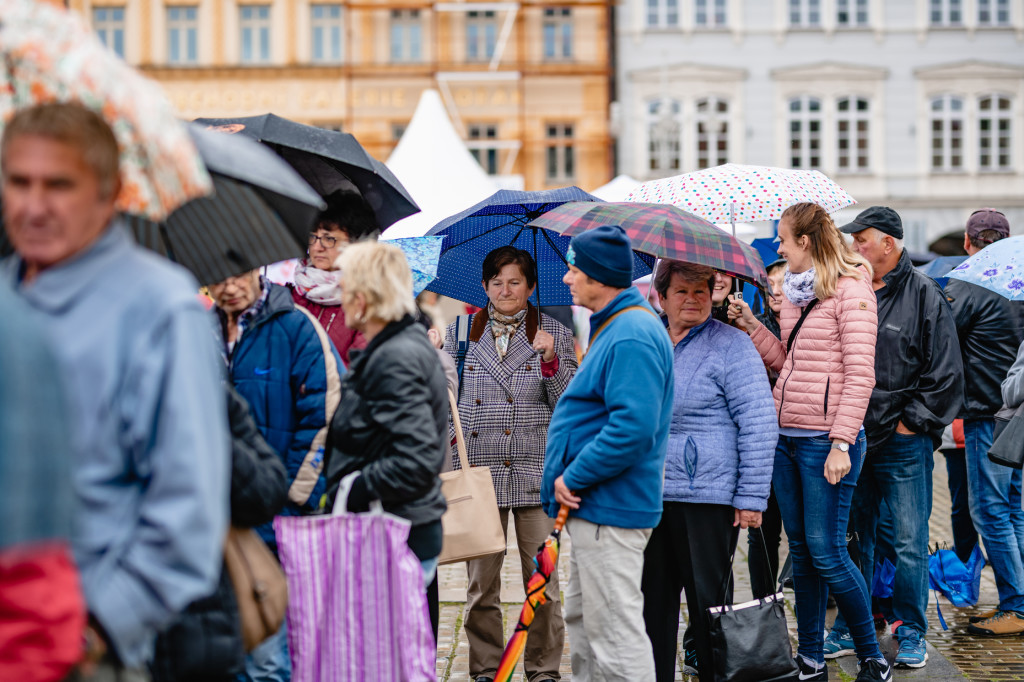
column 967, row 243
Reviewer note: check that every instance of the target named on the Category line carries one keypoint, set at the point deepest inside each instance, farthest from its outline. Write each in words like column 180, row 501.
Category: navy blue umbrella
column 768, row 249
column 939, row 268
column 501, row 220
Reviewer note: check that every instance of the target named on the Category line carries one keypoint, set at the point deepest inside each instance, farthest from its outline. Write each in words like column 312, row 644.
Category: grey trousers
column 546, row 637
column 604, row 607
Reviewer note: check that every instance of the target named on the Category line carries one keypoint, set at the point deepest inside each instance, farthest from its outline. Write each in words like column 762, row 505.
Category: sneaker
column 838, row 644
column 1003, row 623
column 809, row 673
column 912, row 653
column 690, row 663
column 874, row 670
column 984, row 615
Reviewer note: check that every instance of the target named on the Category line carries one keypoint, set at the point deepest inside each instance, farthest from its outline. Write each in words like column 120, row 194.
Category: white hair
column 381, row 273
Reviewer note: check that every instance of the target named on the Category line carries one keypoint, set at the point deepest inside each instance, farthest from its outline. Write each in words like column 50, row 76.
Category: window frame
column 182, row 35
column 665, row 14
column 944, row 9
column 559, row 151
column 999, row 13
column 114, row 25
column 858, row 14
column 261, row 27
column 805, row 116
column 664, row 151
column 946, row 116
column 804, row 12
column 710, row 14
column 993, row 136
column 713, row 136
column 562, row 34
column 331, row 26
column 853, row 116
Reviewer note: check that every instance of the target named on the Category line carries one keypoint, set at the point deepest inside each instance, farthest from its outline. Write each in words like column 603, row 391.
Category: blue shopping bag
column 958, row 582
column 883, row 579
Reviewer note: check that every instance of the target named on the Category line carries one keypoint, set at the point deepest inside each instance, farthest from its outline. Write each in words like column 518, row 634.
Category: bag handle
column 728, row 575
column 341, row 497
column 799, row 323
column 460, row 438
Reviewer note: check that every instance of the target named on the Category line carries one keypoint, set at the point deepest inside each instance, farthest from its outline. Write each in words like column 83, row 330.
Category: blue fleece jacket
column 721, row 445
column 610, row 428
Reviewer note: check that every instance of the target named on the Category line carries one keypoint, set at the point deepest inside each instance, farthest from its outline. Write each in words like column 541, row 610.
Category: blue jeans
column 900, row 474
column 815, row 514
column 965, row 535
column 270, row 662
column 995, row 496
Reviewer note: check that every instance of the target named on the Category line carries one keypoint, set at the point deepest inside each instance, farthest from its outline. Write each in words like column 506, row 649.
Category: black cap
column 882, row 218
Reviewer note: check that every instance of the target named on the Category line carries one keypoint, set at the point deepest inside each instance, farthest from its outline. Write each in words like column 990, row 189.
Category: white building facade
column 914, row 104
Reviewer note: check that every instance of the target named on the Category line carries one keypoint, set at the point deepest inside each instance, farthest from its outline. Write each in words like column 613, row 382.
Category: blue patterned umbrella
column 423, row 254
column 501, row 220
column 998, row 267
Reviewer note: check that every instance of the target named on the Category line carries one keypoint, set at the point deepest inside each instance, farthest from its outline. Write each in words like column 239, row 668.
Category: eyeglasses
column 327, row 241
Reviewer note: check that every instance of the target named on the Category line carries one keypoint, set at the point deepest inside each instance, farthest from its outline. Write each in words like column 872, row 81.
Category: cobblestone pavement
column 979, row 659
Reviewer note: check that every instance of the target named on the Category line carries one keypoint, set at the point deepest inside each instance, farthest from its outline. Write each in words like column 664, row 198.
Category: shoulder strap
column 799, row 323
column 463, row 323
column 593, row 339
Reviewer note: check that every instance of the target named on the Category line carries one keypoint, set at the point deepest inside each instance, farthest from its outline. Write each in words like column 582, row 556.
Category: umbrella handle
column 563, row 516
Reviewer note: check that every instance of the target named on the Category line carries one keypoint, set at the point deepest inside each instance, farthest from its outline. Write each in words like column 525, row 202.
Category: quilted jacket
column 825, row 381
column 506, row 405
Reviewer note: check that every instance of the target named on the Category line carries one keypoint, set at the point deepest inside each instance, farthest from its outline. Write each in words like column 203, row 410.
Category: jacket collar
column 897, row 277
column 482, row 320
column 359, row 357
column 628, row 297
column 695, row 332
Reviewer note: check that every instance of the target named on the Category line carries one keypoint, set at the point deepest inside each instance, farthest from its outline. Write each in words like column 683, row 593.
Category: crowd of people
column 153, row 424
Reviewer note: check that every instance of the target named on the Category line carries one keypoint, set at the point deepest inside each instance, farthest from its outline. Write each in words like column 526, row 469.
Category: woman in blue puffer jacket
column 718, row 468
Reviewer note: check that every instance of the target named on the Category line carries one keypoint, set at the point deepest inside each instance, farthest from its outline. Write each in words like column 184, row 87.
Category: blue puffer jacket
column 287, row 370
column 721, row 444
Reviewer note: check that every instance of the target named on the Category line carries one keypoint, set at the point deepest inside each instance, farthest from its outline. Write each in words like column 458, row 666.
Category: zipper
column 782, row 395
column 828, row 382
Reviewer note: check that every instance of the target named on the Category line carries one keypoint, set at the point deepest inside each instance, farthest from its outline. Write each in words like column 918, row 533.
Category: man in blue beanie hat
column 604, row 459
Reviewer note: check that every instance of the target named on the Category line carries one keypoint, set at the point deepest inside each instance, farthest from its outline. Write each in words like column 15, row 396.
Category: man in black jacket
column 990, row 329
column 918, row 389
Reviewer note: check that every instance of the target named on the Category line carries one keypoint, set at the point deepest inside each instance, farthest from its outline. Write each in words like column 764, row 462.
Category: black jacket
column 919, row 376
column 990, row 328
column 392, row 424
column 206, row 641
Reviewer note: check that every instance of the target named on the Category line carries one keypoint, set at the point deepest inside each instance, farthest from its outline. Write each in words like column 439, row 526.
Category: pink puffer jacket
column 825, row 382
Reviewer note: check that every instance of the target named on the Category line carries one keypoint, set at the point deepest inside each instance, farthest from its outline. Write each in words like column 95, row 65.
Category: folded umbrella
column 328, row 160
column 998, row 267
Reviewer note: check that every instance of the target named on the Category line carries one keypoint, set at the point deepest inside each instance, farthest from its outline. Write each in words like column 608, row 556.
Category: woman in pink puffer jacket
column 826, row 365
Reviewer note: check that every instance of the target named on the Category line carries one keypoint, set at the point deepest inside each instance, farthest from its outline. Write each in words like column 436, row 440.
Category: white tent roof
column 617, row 189
column 433, row 163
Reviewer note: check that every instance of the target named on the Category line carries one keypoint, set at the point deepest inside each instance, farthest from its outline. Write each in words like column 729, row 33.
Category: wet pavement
column 953, row 654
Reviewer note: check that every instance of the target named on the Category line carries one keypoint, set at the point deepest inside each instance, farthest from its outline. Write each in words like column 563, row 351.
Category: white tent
column 433, row 163
column 617, row 189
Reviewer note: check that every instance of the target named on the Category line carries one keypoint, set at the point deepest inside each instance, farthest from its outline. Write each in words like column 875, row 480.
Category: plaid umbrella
column 665, row 232
column 47, row 54
column 504, row 219
column 735, row 193
column 544, row 565
column 998, row 267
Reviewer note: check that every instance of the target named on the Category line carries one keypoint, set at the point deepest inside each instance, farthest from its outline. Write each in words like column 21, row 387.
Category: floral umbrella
column 47, row 54
column 736, row 193
column 998, row 267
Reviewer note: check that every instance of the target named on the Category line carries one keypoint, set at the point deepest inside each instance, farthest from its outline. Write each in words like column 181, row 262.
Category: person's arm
column 634, row 388
column 172, row 406
column 940, row 387
column 259, row 482
column 565, row 366
column 771, row 349
column 1013, row 384
column 857, row 318
column 751, row 406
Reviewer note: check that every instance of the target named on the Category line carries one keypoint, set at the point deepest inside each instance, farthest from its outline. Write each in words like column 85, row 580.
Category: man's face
column 585, row 291
column 687, row 302
column 873, row 245
column 52, row 201
column 775, row 279
column 236, row 294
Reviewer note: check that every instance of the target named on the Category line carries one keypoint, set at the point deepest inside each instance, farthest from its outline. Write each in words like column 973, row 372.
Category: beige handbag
column 472, row 526
column 260, row 585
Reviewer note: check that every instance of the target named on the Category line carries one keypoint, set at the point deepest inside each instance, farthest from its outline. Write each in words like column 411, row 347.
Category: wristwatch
column 842, row 447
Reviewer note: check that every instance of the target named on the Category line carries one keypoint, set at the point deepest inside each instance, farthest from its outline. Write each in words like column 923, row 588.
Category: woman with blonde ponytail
column 826, row 365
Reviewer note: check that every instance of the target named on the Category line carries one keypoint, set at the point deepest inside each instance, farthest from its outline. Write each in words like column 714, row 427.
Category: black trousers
column 691, row 550
column 764, row 570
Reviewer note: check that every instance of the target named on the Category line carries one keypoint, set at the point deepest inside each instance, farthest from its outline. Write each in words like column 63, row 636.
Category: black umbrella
column 328, row 160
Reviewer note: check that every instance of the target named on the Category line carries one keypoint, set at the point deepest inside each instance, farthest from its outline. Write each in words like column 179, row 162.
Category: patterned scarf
column 799, row 287
column 503, row 327
column 319, row 286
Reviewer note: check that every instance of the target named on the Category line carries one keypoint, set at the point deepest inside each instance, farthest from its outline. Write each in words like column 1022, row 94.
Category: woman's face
column 797, row 252
column 723, row 287
column 775, row 280
column 687, row 302
column 508, row 290
column 325, row 245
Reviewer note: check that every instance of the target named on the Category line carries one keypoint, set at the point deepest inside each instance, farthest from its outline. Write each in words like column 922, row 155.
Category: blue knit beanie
column 604, row 254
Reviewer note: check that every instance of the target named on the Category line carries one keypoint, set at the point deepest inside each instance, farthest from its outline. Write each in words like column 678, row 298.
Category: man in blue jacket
column 604, row 459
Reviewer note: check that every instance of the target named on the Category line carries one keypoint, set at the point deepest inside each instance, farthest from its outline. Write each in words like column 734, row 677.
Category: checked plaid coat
column 506, row 405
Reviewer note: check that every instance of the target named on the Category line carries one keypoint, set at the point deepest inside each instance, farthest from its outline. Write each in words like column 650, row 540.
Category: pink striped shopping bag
column 357, row 610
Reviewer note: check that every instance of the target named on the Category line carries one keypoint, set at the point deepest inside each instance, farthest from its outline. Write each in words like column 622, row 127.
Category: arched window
column 805, row 132
column 663, row 135
column 994, row 132
column 712, row 132
column 852, row 129
column 947, row 123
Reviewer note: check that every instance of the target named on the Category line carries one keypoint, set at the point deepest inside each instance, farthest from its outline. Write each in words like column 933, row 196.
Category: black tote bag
column 1008, row 441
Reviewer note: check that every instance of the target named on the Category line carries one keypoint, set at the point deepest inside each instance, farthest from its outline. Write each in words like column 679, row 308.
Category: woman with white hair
column 392, row 423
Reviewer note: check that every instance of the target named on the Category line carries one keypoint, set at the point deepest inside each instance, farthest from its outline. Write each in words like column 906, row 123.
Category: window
column 946, row 12
column 487, row 156
column 712, row 132
column 558, row 33
column 804, row 132
column 852, row 13
column 406, row 35
column 664, row 132
column 255, row 23
column 662, row 13
column 804, row 13
column 326, row 26
column 994, row 128
column 947, row 121
column 481, row 35
column 182, row 31
column 561, row 161
column 852, row 134
column 709, row 13
column 993, row 12
column 108, row 22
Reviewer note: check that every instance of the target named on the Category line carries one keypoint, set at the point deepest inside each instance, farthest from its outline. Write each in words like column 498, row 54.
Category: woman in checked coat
column 514, row 372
